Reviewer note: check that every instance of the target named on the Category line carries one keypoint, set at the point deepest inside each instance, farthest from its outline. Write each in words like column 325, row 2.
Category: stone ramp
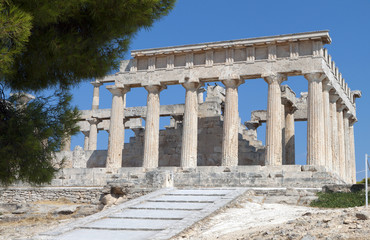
column 159, row 215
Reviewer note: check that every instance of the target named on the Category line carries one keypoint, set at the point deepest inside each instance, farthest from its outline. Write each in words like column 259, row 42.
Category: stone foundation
column 211, row 176
column 16, row 195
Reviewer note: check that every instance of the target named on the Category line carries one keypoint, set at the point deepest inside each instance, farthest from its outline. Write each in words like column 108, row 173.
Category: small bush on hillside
column 339, row 200
column 363, row 181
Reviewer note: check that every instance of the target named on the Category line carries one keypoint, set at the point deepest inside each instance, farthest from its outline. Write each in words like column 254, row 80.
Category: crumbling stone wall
column 26, row 195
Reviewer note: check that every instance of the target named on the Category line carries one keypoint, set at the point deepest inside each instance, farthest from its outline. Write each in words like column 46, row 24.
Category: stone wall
column 29, row 194
column 210, row 130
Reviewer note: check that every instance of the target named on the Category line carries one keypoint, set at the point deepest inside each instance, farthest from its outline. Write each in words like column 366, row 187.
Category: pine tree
column 46, row 44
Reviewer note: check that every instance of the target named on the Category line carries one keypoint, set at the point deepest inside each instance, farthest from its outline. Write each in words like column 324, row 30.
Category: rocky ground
column 251, row 218
column 25, row 220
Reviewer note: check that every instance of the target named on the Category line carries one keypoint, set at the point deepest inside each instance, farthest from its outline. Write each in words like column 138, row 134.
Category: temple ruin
column 207, row 137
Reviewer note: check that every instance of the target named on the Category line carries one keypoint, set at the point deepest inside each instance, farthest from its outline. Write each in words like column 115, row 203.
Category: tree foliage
column 31, row 133
column 56, row 44
column 73, row 40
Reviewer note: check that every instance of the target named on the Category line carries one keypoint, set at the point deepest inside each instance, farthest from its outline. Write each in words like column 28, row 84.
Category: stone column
column 190, row 126
column 230, row 140
column 334, row 132
column 289, row 135
column 347, row 147
column 315, row 120
column 151, row 137
column 66, row 144
column 86, row 140
column 283, row 159
column 353, row 154
column 200, row 92
column 116, row 127
column 273, row 120
column 341, row 147
column 95, row 101
column 326, row 86
column 93, row 135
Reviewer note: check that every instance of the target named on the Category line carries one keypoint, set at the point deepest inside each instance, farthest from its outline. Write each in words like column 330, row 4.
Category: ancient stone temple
column 207, row 137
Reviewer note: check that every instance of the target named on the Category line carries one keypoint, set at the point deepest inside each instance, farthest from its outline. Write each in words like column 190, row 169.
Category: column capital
column 96, row 83
column 118, row 90
column 191, row 85
column 327, row 85
column 93, row 120
column 155, row 88
column 232, row 82
column 347, row 114
column 333, row 97
column 252, row 125
column 315, row 76
column 86, row 133
column 201, row 90
column 290, row 108
column 352, row 121
column 341, row 106
column 275, row 77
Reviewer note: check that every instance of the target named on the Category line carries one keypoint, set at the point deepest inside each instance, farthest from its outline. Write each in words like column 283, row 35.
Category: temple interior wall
column 210, row 129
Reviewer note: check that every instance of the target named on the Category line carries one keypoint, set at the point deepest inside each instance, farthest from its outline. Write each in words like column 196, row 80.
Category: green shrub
column 363, row 181
column 339, row 200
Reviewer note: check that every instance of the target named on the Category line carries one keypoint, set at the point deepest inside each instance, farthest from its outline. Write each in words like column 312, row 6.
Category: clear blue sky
column 197, row 21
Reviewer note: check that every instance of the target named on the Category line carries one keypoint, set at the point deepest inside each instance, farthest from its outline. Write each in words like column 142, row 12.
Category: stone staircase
column 159, row 215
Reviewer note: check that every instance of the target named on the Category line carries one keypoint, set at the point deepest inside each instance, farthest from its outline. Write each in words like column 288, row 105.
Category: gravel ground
column 251, row 220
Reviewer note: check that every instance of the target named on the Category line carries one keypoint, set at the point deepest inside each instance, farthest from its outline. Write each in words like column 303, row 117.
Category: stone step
column 158, row 215
column 95, row 234
column 153, row 213
column 130, row 224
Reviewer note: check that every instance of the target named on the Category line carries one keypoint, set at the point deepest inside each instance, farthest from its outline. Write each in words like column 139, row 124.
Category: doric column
column 151, row 137
column 283, row 159
column 352, row 145
column 190, row 126
column 66, row 144
column 315, row 120
column 341, row 147
column 289, row 134
column 95, row 101
column 86, row 140
column 116, row 127
column 334, row 131
column 230, row 140
column 274, row 119
column 93, row 135
column 347, row 147
column 326, row 86
column 200, row 92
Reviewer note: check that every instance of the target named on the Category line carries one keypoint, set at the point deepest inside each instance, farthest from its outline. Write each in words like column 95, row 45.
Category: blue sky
column 197, row 21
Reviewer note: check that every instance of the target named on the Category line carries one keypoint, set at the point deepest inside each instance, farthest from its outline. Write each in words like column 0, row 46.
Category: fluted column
column 289, row 135
column 230, row 140
column 273, row 120
column 283, row 154
column 341, row 147
column 200, row 93
column 190, row 126
column 315, row 120
column 326, row 86
column 95, row 101
column 347, row 145
column 86, row 140
column 93, row 134
column 151, row 137
column 353, row 153
column 334, row 132
column 116, row 127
